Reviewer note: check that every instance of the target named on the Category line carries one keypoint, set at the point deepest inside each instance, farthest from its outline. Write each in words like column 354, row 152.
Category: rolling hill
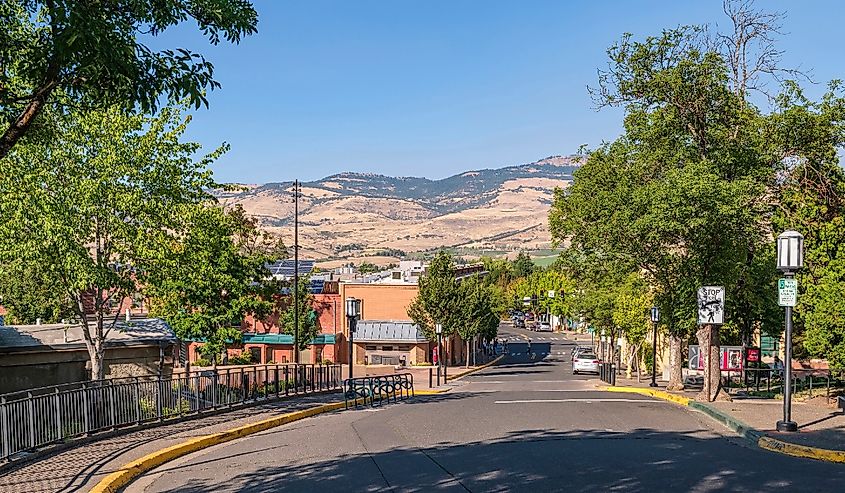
column 353, row 214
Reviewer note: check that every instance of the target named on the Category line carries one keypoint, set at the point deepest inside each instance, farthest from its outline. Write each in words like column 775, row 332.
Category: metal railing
column 607, row 373
column 771, row 381
column 378, row 389
column 36, row 418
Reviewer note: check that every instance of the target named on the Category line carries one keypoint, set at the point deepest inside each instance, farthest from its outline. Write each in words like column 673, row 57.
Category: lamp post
column 353, row 311
column 439, row 330
column 655, row 317
column 790, row 246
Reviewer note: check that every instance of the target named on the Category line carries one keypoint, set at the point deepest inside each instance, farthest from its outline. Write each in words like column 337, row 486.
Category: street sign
column 711, row 305
column 787, row 292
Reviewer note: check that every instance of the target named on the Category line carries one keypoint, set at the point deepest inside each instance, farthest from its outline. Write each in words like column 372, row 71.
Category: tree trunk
column 467, row 355
column 96, row 353
column 24, row 120
column 676, row 374
column 708, row 343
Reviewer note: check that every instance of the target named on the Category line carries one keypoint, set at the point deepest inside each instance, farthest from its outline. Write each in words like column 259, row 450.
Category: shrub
column 245, row 358
column 202, row 362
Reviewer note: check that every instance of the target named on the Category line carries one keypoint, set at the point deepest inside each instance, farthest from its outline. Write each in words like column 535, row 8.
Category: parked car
column 585, row 363
column 519, row 323
column 545, row 327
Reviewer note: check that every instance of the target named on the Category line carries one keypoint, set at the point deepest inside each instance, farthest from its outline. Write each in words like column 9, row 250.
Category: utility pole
column 296, row 271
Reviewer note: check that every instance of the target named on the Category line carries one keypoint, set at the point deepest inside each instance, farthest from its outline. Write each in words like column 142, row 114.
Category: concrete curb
column 432, row 391
column 123, row 476
column 754, row 436
column 473, row 370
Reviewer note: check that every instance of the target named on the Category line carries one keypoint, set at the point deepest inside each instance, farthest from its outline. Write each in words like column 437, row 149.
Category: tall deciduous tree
column 92, row 205
column 209, row 277
column 309, row 323
column 93, row 54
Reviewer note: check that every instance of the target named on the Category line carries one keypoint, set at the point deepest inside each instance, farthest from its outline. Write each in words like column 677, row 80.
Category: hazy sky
column 433, row 88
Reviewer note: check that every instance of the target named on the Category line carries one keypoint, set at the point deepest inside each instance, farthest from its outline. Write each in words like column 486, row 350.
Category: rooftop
column 136, row 332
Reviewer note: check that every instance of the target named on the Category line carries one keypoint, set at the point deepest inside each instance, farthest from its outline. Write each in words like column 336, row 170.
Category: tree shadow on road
column 535, row 460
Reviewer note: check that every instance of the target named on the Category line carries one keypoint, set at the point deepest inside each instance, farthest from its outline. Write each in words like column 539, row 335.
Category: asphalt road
column 520, row 426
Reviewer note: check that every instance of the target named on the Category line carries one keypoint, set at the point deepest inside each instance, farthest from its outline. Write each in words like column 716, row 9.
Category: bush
column 202, row 362
column 245, row 358
column 328, row 362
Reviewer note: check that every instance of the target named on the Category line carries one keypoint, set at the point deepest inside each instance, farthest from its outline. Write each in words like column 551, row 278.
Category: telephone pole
column 296, row 271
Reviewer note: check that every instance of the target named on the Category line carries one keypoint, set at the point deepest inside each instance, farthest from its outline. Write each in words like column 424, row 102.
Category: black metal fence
column 378, row 389
column 768, row 380
column 38, row 417
column 607, row 373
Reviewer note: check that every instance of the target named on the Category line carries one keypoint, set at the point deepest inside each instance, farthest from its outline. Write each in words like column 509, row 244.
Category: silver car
column 585, row 362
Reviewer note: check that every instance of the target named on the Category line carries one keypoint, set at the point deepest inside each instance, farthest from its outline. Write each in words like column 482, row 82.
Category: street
column 519, row 426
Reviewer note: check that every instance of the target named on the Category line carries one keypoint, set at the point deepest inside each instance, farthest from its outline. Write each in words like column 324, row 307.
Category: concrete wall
column 26, row 370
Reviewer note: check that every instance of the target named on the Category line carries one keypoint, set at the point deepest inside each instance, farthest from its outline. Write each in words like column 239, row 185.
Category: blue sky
column 434, row 88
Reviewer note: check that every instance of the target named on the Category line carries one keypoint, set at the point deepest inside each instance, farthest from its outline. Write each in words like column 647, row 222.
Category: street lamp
column 790, row 246
column 655, row 317
column 439, row 330
column 353, row 311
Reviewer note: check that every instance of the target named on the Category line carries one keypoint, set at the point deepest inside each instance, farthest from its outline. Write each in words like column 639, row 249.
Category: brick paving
column 80, row 468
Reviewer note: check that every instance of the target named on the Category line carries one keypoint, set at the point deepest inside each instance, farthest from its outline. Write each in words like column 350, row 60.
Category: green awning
column 249, row 338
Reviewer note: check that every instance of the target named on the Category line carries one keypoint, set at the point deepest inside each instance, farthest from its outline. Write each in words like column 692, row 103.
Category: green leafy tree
column 478, row 318
column 309, row 326
column 207, row 280
column 523, row 266
column 93, row 205
column 439, row 297
column 91, row 54
column 27, row 292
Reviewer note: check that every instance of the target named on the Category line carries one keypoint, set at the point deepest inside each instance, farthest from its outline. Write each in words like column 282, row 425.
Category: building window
column 405, row 347
column 256, row 354
column 387, row 348
column 371, row 348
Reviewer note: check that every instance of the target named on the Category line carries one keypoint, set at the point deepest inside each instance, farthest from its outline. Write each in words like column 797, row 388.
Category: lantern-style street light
column 353, row 312
column 439, row 330
column 655, row 317
column 790, row 252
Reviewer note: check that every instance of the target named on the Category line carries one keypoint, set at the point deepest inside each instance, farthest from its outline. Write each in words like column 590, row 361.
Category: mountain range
column 353, row 214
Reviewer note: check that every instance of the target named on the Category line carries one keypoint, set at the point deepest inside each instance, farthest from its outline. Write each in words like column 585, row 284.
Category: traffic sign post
column 711, row 305
column 787, row 292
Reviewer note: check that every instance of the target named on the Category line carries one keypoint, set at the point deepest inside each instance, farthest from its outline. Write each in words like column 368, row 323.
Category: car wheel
column 574, row 372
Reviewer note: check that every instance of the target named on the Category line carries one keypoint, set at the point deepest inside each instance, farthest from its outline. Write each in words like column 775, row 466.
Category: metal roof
column 377, row 331
column 252, row 338
column 139, row 331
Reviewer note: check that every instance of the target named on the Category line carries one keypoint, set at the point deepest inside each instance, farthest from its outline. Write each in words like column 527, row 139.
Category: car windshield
column 586, row 356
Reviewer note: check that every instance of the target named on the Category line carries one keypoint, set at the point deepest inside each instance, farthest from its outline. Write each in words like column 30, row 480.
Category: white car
column 585, row 363
column 545, row 327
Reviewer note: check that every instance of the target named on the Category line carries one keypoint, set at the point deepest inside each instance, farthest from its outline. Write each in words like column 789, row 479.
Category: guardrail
column 378, row 389
column 607, row 373
column 35, row 418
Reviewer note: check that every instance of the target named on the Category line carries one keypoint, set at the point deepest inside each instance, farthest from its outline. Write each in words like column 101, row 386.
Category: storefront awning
column 248, row 338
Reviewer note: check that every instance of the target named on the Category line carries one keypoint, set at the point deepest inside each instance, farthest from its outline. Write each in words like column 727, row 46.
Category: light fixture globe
column 353, row 307
column 438, row 329
column 790, row 246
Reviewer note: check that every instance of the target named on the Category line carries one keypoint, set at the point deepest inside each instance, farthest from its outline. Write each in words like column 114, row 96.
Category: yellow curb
column 764, row 442
column 431, row 391
column 473, row 370
column 120, row 478
column 659, row 394
column 775, row 445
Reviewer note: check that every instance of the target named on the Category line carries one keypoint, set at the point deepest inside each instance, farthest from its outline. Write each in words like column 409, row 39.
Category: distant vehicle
column 585, row 363
column 545, row 327
column 529, row 316
column 519, row 323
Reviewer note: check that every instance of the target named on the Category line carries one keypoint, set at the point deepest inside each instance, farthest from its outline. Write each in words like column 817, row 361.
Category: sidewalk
column 80, row 468
column 819, row 425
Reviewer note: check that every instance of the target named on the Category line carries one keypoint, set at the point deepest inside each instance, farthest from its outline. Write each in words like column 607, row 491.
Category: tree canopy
column 89, row 54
